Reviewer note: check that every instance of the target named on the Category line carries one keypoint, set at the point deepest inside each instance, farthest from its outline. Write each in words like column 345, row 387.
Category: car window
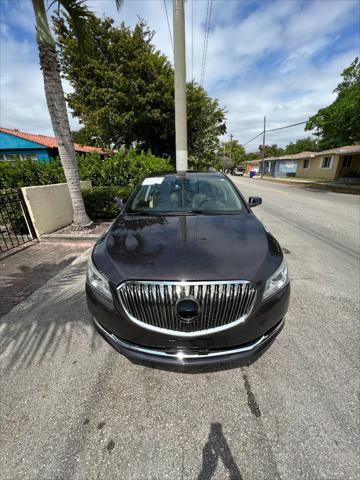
column 192, row 194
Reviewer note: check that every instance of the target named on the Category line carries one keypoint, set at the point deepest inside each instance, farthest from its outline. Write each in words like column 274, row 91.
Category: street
column 73, row 408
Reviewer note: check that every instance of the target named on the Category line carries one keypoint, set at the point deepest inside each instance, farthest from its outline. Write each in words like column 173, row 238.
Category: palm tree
column 78, row 16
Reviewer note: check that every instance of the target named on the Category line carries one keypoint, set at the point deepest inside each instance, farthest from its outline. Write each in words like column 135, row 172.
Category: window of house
column 326, row 162
column 347, row 161
column 306, row 162
column 9, row 157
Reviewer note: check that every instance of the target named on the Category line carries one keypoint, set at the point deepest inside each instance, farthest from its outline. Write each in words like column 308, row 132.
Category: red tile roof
column 50, row 142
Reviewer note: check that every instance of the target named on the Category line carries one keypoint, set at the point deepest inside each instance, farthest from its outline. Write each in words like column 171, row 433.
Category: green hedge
column 23, row 173
column 114, row 176
column 120, row 170
column 100, row 201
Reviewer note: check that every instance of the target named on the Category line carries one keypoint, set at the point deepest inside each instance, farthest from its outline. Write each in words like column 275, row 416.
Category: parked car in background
column 238, row 171
column 187, row 274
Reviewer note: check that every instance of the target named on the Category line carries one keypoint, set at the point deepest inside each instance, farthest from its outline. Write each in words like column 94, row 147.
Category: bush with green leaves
column 113, row 176
column 100, row 201
column 124, row 168
column 23, row 173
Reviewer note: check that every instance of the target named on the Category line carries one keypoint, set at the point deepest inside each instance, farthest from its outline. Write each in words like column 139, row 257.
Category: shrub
column 100, row 201
column 23, row 173
column 120, row 170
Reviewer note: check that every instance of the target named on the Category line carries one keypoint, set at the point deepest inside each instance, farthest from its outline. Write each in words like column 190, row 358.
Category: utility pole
column 263, row 149
column 180, row 86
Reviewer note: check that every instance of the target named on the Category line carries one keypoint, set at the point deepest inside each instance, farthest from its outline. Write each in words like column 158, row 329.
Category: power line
column 273, row 130
column 192, row 39
column 287, row 126
column 205, row 32
column 258, row 135
column 206, row 40
column 168, row 23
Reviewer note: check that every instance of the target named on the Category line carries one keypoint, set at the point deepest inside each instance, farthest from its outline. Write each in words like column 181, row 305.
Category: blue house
column 15, row 144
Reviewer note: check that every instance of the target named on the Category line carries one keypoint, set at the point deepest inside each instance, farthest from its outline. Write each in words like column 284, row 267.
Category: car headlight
column 97, row 280
column 277, row 281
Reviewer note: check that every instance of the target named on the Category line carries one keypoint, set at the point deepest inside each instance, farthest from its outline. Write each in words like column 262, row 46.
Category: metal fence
column 15, row 223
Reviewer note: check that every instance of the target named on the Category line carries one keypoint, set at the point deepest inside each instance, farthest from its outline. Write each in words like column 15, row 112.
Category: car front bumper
column 186, row 357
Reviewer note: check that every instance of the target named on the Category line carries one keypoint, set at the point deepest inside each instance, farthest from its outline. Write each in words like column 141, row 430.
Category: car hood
column 187, row 247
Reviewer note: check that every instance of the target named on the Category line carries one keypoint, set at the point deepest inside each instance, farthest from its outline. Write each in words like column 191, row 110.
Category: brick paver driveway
column 27, row 269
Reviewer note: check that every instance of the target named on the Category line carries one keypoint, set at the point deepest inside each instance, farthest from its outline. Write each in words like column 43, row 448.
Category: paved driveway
column 72, row 408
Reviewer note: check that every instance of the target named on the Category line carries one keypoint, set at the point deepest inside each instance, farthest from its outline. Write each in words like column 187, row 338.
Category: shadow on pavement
column 53, row 318
column 215, row 449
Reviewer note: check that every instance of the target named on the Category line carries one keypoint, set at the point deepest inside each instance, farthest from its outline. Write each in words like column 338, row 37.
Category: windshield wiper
column 198, row 211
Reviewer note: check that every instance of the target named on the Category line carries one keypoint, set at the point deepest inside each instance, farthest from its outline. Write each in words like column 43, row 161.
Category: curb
column 53, row 237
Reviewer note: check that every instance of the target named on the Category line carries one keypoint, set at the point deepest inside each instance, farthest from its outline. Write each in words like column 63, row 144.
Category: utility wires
column 206, row 40
column 273, row 130
column 192, row 39
column 168, row 23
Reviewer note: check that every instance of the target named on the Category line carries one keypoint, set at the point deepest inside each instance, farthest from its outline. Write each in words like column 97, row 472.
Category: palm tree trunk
column 55, row 100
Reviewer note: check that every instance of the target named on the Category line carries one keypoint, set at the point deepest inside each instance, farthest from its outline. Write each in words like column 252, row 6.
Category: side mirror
column 254, row 201
column 120, row 202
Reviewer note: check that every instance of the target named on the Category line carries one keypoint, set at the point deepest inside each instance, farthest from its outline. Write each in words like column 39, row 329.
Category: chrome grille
column 222, row 305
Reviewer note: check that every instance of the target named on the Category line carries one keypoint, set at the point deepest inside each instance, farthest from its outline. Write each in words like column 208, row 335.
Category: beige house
column 331, row 164
column 327, row 165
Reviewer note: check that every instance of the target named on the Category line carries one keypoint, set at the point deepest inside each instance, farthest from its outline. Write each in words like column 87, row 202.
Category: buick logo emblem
column 187, row 310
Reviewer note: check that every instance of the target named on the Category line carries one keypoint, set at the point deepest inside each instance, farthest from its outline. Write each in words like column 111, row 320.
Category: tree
column 339, row 123
column 76, row 14
column 205, row 123
column 80, row 136
column 234, row 150
column 271, row 150
column 124, row 92
column 302, row 145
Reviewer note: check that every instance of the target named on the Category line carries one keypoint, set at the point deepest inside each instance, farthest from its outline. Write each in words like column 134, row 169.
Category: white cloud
column 259, row 61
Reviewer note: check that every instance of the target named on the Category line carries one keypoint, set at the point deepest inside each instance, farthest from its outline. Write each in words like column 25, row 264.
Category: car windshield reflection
column 177, row 194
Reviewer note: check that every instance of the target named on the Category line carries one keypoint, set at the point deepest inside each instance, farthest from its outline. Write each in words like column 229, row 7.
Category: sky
column 276, row 58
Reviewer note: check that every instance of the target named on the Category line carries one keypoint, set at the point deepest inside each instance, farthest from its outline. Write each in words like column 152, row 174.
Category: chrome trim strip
column 251, row 297
column 182, row 355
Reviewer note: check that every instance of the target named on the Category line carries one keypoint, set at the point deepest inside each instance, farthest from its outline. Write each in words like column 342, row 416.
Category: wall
column 285, row 167
column 12, row 145
column 314, row 170
column 9, row 142
column 50, row 206
column 354, row 169
column 41, row 154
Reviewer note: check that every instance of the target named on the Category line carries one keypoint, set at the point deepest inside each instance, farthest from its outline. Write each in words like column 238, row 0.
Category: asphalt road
column 72, row 408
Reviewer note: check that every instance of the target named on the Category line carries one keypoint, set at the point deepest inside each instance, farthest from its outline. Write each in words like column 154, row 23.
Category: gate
column 16, row 227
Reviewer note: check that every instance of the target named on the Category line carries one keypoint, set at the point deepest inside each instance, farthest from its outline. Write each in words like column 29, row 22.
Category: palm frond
column 78, row 16
column 119, row 4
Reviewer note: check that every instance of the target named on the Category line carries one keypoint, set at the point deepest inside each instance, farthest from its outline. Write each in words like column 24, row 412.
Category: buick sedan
column 187, row 274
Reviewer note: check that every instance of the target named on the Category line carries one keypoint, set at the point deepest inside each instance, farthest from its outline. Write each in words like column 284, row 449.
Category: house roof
column 253, row 161
column 341, row 150
column 295, row 156
column 50, row 142
column 347, row 150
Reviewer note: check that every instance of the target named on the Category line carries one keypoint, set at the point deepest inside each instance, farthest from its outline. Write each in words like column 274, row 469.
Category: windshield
column 200, row 193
